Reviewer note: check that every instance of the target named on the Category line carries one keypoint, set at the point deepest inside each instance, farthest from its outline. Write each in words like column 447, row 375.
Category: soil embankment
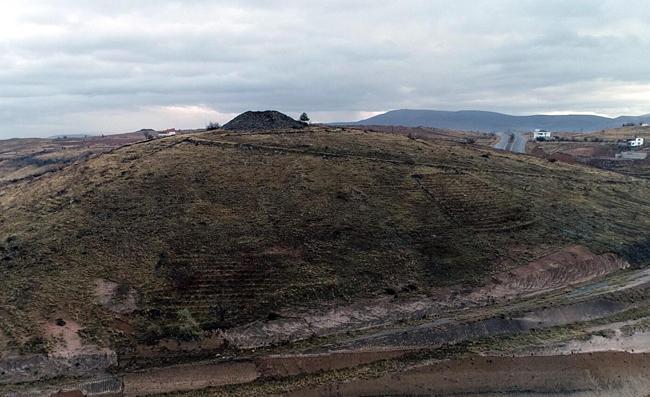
column 580, row 375
column 188, row 377
column 200, row 376
column 440, row 332
column 569, row 266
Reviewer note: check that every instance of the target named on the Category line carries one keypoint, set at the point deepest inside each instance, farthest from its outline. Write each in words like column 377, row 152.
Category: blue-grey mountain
column 473, row 120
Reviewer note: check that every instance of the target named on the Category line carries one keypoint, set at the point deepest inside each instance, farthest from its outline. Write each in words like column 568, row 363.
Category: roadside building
column 636, row 142
column 170, row 132
column 541, row 134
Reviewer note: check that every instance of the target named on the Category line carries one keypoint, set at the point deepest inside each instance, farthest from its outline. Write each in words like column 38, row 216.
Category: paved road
column 504, row 138
column 512, row 141
column 519, row 144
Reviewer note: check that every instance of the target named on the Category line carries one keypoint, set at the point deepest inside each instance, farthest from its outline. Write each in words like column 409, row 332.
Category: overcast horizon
column 117, row 66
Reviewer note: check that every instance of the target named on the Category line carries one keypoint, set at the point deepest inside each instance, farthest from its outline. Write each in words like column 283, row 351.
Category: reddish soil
column 174, row 347
column 569, row 266
column 572, row 265
column 75, row 393
column 188, row 377
column 198, row 376
column 588, row 151
column 68, row 341
column 586, row 375
column 563, row 157
column 291, row 365
column 109, row 295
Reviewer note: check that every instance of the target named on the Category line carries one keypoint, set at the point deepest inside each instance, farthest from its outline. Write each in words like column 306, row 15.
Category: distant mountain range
column 72, row 136
column 474, row 120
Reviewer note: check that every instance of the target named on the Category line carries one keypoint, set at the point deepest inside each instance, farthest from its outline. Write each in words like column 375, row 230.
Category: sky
column 116, row 66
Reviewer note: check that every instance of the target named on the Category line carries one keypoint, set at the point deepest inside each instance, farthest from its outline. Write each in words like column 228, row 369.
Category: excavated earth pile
column 262, row 121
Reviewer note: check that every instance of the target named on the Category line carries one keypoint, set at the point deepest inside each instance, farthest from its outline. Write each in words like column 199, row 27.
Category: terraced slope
column 211, row 231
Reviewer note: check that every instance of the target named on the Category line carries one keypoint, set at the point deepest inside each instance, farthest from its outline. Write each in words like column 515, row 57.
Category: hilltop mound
column 170, row 238
column 262, row 121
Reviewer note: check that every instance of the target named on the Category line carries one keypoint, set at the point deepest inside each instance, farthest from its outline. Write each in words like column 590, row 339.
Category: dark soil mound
column 262, row 121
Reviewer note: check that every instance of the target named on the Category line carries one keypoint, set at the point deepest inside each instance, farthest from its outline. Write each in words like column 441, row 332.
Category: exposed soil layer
column 262, row 121
column 583, row 375
column 571, row 265
column 188, row 377
column 199, row 376
column 115, row 297
column 635, row 343
column 439, row 332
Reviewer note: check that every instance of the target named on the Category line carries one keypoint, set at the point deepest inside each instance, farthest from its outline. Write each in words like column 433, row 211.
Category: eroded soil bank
column 194, row 377
column 600, row 299
column 578, row 375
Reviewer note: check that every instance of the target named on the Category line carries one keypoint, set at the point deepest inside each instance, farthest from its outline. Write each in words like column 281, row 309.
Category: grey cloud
column 61, row 59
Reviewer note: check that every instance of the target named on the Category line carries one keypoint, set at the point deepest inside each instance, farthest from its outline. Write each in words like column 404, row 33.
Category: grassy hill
column 214, row 230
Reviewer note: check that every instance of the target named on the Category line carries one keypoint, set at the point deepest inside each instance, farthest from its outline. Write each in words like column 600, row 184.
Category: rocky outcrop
column 38, row 367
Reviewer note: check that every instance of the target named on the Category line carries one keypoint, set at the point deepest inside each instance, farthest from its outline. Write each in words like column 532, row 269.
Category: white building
column 170, row 132
column 645, row 125
column 541, row 134
column 636, row 142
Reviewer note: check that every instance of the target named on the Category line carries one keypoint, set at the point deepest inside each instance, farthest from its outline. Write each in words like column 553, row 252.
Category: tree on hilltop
column 304, row 118
column 212, row 126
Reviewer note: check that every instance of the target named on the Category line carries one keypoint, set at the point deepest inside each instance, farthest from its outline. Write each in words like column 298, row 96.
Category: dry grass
column 232, row 228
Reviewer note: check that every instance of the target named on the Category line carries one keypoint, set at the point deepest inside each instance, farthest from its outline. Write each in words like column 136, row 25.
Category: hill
column 26, row 158
column 470, row 120
column 207, row 234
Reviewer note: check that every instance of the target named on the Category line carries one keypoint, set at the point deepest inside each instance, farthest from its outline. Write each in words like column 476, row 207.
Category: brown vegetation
column 213, row 231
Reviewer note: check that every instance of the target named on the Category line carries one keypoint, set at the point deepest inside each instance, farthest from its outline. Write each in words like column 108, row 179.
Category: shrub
column 181, row 277
column 34, row 345
column 212, row 126
column 187, row 328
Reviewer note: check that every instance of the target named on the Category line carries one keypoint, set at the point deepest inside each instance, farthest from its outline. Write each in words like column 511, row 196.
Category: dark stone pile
column 262, row 121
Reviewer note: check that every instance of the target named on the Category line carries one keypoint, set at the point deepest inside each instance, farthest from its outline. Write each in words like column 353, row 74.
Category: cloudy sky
column 111, row 66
